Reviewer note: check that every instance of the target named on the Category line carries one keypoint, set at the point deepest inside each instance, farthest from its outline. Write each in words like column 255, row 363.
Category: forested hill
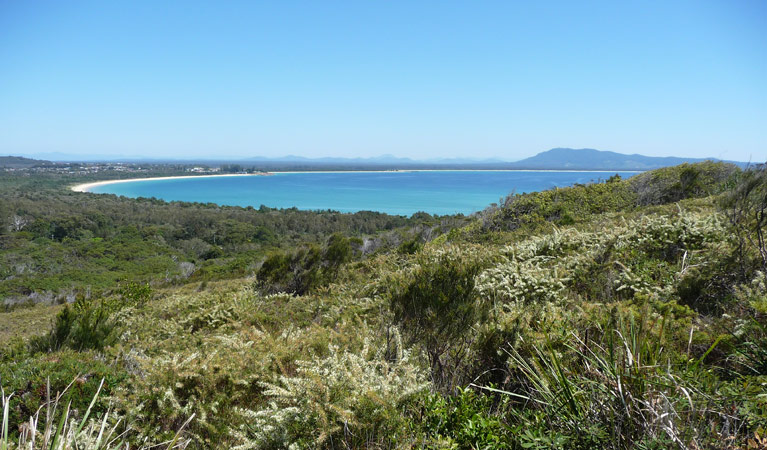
column 590, row 159
column 18, row 162
column 628, row 314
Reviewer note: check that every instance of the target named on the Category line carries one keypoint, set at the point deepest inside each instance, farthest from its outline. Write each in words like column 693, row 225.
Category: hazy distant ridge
column 554, row 159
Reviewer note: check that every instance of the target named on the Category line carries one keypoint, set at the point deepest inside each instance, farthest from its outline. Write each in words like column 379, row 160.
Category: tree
column 18, row 222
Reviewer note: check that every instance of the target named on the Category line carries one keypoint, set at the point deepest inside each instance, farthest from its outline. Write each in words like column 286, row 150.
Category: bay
column 393, row 192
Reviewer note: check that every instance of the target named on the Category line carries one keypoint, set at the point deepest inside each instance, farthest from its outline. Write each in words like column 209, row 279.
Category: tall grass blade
column 178, row 433
column 710, row 349
column 6, row 412
column 101, row 430
column 88, row 411
column 60, row 428
column 565, row 384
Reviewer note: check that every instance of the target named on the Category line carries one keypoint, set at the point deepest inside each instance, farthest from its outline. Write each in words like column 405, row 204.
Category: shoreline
column 86, row 187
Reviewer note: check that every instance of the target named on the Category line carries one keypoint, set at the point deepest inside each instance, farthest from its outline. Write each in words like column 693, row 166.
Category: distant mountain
column 590, row 159
column 19, row 162
column 554, row 159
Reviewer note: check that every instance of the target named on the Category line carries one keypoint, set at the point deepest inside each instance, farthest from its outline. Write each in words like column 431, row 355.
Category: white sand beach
column 86, row 187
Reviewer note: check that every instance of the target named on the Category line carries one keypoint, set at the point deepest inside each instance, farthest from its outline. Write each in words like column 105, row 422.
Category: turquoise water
column 438, row 192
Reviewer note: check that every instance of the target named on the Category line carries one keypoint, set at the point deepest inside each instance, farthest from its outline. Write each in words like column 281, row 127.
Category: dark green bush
column 464, row 420
column 437, row 307
column 296, row 272
column 671, row 184
column 135, row 294
column 708, row 291
column 409, row 247
column 337, row 252
column 751, row 351
column 746, row 208
column 304, row 269
column 86, row 325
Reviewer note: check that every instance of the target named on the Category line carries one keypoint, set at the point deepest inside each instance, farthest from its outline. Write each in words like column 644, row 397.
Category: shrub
column 671, row 184
column 62, row 428
column 297, row 272
column 135, row 294
column 337, row 252
column 437, row 305
column 304, row 269
column 350, row 400
column 521, row 283
column 746, row 208
column 409, row 247
column 86, row 325
column 566, row 206
column 463, row 420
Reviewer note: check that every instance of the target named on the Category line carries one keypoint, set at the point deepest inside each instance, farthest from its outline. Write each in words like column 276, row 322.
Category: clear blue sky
column 410, row 78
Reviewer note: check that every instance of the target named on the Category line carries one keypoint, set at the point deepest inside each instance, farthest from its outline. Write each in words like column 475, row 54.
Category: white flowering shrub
column 345, row 399
column 755, row 292
column 637, row 284
column 638, row 256
column 667, row 234
column 554, row 244
column 521, row 282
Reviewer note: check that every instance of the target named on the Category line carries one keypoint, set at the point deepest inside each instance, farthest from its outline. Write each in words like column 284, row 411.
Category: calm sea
column 438, row 192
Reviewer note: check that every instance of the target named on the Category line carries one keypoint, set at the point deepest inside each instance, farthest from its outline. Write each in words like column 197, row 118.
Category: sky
column 419, row 79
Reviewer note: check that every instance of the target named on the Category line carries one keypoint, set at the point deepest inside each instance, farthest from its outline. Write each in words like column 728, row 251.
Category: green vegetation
column 630, row 314
column 302, row 270
column 58, row 244
column 581, row 202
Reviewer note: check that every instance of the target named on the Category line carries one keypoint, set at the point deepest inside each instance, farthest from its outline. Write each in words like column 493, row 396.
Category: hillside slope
column 619, row 315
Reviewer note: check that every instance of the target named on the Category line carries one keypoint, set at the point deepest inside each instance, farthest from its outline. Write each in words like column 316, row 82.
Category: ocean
column 395, row 192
